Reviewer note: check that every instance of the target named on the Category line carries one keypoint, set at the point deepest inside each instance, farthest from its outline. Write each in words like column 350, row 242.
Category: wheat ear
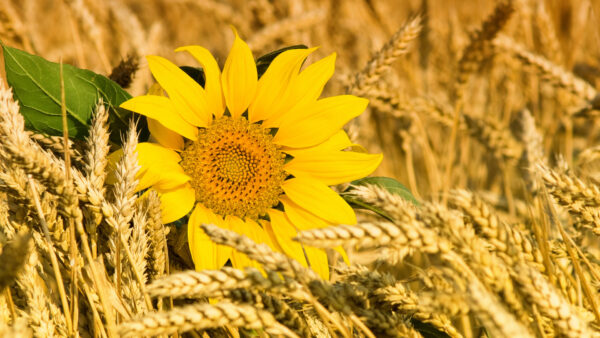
column 397, row 46
column 209, row 283
column 203, row 316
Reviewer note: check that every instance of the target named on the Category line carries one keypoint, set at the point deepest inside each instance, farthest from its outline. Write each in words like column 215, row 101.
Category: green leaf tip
column 389, row 184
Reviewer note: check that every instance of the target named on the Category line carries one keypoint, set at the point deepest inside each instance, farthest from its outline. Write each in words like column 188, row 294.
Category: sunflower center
column 235, row 167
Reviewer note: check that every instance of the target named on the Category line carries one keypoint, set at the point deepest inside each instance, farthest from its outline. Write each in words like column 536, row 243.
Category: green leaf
column 390, row 185
column 36, row 85
column 263, row 62
column 427, row 330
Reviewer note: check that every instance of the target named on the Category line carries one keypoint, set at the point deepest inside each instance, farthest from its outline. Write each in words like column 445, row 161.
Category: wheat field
column 487, row 111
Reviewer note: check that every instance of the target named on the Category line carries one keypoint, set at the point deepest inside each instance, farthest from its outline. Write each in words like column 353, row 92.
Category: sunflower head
column 235, row 168
column 256, row 156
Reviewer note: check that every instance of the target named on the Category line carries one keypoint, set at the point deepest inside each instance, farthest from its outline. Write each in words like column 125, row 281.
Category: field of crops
column 252, row 194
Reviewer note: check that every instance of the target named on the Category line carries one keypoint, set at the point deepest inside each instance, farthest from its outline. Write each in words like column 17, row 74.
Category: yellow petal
column 274, row 84
column 303, row 90
column 313, row 124
column 284, row 232
column 165, row 136
column 162, row 109
column 205, row 253
column 187, row 95
column 158, row 167
column 239, row 78
column 212, row 87
column 333, row 167
column 209, row 217
column 176, row 203
column 161, row 177
column 151, row 152
column 309, row 84
column 319, row 199
column 337, row 141
column 300, row 217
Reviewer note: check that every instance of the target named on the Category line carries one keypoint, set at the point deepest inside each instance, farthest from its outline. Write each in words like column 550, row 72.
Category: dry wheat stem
column 591, row 297
column 485, row 264
column 329, row 318
column 55, row 266
column 110, row 320
column 473, row 55
column 10, row 305
column 73, row 251
column 99, row 328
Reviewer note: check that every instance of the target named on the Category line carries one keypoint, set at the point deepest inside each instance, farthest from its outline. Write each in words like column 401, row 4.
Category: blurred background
column 412, row 107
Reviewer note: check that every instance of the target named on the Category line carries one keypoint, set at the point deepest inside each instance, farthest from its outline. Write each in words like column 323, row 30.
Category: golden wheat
column 475, row 120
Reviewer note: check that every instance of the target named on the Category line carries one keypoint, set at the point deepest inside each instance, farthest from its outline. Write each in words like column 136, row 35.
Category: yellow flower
column 255, row 156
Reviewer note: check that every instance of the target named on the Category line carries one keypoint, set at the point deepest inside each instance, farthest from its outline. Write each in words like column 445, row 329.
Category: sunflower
column 256, row 156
